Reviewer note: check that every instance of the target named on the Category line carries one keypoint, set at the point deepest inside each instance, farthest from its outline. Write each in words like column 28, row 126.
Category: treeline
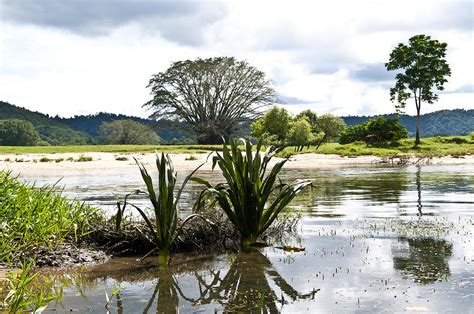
column 86, row 129
column 101, row 128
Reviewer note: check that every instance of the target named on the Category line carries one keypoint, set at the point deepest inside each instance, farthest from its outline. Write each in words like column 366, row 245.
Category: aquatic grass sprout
column 251, row 197
column 164, row 225
column 33, row 217
column 21, row 295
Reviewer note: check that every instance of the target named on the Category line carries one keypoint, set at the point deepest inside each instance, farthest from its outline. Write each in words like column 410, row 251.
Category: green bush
column 127, row 132
column 381, row 130
column 353, row 133
column 376, row 131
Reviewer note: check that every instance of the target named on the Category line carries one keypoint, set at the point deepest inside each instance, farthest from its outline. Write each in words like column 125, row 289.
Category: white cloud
column 327, row 54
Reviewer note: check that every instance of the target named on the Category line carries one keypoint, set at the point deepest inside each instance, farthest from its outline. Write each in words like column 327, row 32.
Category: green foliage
column 214, row 96
column 164, row 225
column 32, row 217
column 51, row 131
column 312, row 119
column 278, row 127
column 331, row 126
column 353, row 133
column 273, row 127
column 58, row 135
column 299, row 133
column 424, row 64
column 249, row 196
column 472, row 136
column 376, row 131
column 381, row 130
column 127, row 132
column 16, row 132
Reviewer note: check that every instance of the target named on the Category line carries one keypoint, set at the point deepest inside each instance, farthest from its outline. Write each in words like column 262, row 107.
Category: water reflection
column 423, row 259
column 248, row 283
column 418, row 188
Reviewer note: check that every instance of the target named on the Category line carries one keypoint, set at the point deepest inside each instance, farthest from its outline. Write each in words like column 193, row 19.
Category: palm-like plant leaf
column 245, row 194
column 165, row 204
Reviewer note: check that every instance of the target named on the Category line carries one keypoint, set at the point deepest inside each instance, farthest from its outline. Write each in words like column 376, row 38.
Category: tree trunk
column 418, row 107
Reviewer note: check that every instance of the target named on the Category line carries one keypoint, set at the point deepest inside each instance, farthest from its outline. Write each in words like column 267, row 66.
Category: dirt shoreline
column 30, row 163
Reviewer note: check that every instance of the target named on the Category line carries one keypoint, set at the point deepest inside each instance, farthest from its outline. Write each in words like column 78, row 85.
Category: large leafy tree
column 331, row 126
column 212, row 95
column 423, row 66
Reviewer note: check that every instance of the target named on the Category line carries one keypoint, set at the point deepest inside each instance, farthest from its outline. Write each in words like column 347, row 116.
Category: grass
column 32, row 218
column 430, row 147
column 83, row 158
column 171, row 149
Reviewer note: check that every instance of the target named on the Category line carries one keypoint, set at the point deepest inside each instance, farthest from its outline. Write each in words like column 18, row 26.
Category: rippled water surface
column 375, row 239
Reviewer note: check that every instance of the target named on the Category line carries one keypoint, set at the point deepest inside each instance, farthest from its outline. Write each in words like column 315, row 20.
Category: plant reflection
column 245, row 287
column 423, row 259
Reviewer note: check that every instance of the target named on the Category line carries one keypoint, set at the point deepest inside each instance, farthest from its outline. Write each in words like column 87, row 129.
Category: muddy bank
column 134, row 240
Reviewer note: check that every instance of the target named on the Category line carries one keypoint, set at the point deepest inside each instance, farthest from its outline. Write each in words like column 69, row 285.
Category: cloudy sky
column 84, row 56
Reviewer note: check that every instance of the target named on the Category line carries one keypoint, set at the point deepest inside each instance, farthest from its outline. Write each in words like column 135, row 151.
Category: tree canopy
column 213, row 95
column 424, row 67
column 15, row 132
column 127, row 132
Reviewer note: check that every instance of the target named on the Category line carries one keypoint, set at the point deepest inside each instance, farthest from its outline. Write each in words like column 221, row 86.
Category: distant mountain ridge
column 438, row 123
column 84, row 129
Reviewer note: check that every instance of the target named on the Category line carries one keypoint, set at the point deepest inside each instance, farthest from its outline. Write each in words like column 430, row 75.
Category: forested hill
column 443, row 122
column 84, row 129
column 50, row 130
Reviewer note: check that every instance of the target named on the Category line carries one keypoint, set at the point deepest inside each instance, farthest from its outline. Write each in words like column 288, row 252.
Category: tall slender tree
column 214, row 96
column 423, row 66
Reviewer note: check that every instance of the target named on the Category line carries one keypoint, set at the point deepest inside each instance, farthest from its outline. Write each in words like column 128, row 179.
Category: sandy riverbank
column 30, row 163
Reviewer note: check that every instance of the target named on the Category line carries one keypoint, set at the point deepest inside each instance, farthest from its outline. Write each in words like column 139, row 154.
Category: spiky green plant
column 249, row 197
column 164, row 225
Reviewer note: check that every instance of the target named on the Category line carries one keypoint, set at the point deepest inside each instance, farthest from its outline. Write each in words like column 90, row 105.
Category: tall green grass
column 251, row 197
column 33, row 217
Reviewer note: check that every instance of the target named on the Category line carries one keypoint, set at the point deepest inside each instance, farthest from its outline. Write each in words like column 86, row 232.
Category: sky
column 85, row 56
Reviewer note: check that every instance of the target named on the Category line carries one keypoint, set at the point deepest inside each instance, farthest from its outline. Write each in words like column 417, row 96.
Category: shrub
column 353, row 133
column 376, row 131
column 381, row 130
column 249, row 196
column 127, row 132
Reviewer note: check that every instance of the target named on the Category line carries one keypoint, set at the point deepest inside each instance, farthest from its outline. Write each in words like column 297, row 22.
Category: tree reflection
column 423, row 259
column 418, row 188
column 245, row 287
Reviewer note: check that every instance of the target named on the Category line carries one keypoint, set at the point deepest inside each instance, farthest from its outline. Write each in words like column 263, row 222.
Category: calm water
column 376, row 239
